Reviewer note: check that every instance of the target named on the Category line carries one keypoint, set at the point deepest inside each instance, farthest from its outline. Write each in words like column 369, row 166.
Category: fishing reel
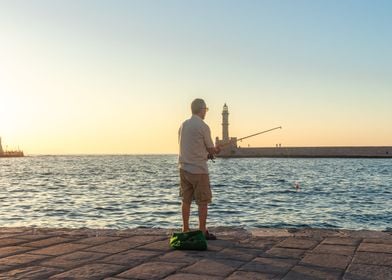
column 211, row 157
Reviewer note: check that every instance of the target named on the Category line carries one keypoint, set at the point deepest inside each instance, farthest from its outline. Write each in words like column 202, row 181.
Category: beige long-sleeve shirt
column 194, row 137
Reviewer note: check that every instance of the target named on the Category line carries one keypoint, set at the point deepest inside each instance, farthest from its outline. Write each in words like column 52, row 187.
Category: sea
column 130, row 191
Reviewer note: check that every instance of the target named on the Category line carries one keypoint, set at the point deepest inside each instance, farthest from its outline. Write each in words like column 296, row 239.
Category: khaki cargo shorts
column 195, row 187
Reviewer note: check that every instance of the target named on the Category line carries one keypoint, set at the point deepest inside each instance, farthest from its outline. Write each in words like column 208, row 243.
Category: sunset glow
column 117, row 77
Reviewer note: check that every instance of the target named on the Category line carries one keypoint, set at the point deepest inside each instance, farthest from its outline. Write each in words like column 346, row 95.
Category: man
column 195, row 142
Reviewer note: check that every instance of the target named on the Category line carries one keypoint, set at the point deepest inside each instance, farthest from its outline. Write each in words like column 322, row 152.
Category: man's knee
column 202, row 203
column 186, row 203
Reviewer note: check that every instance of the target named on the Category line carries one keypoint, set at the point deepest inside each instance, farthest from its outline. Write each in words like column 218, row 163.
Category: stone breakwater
column 310, row 152
column 47, row 253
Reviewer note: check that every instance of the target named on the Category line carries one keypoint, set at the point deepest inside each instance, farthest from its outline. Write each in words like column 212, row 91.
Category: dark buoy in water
column 297, row 186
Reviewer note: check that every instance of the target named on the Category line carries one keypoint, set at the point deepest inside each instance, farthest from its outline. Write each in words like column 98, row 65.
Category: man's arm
column 211, row 149
column 214, row 150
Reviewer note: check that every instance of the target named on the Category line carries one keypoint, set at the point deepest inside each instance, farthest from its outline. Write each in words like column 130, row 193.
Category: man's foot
column 209, row 236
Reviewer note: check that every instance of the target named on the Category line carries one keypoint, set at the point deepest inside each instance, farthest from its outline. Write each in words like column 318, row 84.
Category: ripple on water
column 136, row 191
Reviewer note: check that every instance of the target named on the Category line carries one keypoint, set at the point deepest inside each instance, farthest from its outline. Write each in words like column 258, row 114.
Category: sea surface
column 131, row 191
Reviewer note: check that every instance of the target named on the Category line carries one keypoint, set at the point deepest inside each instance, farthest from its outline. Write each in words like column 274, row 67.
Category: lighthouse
column 225, row 124
column 226, row 143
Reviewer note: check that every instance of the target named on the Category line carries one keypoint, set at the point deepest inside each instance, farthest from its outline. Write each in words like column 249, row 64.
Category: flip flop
column 210, row 236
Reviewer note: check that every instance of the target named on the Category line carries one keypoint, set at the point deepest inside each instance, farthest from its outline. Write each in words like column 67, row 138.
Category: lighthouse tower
column 227, row 143
column 225, row 124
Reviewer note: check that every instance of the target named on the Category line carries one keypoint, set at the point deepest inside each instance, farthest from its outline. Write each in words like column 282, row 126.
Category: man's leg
column 186, row 211
column 203, row 197
column 186, row 192
column 203, row 210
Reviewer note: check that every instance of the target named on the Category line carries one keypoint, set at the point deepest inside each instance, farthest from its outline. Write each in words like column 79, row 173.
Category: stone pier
column 43, row 253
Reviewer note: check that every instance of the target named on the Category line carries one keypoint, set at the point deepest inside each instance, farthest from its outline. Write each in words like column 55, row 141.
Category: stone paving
column 41, row 253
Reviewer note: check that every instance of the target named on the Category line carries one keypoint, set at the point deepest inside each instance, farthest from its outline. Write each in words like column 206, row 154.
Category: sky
column 118, row 77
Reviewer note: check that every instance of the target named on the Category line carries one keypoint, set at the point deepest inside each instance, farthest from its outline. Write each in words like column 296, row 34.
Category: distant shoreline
column 248, row 152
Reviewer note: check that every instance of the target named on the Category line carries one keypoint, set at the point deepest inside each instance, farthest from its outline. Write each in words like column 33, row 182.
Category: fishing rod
column 268, row 130
column 212, row 157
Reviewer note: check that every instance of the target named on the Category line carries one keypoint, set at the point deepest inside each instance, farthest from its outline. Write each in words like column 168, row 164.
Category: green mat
column 192, row 240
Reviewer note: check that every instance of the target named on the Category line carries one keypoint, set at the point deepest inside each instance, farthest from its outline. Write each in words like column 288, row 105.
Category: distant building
column 1, row 148
column 8, row 153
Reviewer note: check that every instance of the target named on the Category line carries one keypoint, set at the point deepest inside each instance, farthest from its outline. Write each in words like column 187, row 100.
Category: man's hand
column 214, row 150
column 211, row 157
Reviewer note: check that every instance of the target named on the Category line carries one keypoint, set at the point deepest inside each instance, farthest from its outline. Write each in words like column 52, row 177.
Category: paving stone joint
column 142, row 253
